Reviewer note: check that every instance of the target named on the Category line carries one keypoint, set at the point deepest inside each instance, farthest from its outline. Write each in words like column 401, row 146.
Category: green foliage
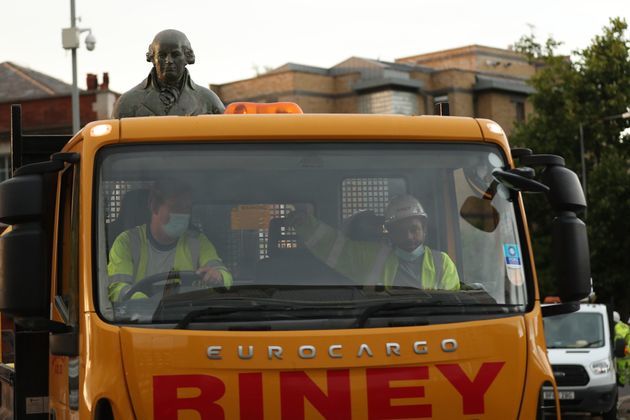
column 609, row 225
column 536, row 52
column 592, row 89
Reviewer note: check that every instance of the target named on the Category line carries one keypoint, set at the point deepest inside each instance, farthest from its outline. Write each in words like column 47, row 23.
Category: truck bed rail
column 31, row 148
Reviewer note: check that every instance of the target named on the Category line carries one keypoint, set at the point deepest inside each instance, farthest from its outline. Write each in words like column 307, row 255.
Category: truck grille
column 570, row 375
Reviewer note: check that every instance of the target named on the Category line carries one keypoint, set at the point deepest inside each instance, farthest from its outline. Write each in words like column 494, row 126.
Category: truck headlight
column 600, row 367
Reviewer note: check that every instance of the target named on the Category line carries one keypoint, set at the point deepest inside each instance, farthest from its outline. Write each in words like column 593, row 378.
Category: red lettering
column 250, row 392
column 295, row 387
column 166, row 403
column 380, row 393
column 472, row 392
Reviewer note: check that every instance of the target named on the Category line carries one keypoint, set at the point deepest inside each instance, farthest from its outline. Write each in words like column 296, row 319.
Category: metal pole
column 583, row 164
column 75, row 90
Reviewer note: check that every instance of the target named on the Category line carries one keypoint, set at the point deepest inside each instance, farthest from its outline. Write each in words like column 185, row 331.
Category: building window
column 440, row 99
column 520, row 111
column 441, row 105
column 5, row 167
column 389, row 102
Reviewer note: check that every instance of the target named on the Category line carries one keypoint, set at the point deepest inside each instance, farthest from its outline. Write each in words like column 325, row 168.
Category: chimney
column 91, row 81
column 105, row 84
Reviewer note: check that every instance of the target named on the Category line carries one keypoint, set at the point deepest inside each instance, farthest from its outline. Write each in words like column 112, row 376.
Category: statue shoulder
column 211, row 99
column 127, row 102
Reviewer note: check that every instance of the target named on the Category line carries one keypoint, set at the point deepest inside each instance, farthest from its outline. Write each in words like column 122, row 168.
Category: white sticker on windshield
column 512, row 255
column 513, row 263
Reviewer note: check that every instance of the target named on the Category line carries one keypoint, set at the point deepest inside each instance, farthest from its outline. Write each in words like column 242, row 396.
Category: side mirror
column 23, row 268
column 572, row 257
column 565, row 190
column 21, row 199
column 25, row 246
column 569, row 237
column 620, row 348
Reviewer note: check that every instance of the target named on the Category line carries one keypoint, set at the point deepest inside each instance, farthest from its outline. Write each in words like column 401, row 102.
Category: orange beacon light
column 264, row 108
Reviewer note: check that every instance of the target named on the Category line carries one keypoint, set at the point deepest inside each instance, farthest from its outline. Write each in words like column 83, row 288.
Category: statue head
column 170, row 52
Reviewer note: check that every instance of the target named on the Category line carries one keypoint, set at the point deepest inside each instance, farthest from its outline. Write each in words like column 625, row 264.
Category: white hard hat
column 402, row 207
column 616, row 316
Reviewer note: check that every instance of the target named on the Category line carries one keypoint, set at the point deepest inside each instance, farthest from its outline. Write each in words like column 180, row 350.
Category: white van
column 580, row 350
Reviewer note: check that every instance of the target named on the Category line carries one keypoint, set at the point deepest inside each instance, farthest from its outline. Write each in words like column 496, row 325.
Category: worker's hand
column 210, row 276
column 295, row 218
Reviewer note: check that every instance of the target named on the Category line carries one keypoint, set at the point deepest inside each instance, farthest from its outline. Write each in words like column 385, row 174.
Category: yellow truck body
column 488, row 364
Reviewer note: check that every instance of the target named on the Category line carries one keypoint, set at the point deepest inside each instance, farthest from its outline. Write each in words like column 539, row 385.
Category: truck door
column 64, row 360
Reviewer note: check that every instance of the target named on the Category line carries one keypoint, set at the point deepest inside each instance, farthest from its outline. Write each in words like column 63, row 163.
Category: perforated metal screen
column 359, row 194
column 114, row 192
column 277, row 211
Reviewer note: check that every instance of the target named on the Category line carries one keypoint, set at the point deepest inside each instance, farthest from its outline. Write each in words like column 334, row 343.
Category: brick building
column 476, row 81
column 46, row 104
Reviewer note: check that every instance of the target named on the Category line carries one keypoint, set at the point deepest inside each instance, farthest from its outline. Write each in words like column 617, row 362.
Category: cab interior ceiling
column 292, row 162
column 299, row 157
column 286, row 186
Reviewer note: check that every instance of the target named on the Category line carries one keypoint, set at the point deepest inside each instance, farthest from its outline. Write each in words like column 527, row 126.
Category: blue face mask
column 410, row 256
column 177, row 224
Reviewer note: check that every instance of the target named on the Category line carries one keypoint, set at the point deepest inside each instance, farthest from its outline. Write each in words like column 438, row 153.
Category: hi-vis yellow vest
column 128, row 258
column 373, row 263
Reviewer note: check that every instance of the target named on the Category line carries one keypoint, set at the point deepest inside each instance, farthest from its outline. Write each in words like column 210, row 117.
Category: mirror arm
column 519, row 180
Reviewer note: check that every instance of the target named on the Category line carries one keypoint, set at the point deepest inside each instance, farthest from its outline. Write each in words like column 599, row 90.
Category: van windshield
column 305, row 235
column 575, row 330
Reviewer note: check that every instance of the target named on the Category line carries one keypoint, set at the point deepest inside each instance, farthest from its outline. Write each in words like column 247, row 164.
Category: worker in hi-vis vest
column 166, row 244
column 403, row 262
column 622, row 331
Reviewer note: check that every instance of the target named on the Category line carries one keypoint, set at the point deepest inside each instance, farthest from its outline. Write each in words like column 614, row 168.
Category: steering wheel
column 186, row 278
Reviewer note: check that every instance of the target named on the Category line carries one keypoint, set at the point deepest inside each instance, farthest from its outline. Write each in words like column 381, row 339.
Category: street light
column 623, row 116
column 70, row 39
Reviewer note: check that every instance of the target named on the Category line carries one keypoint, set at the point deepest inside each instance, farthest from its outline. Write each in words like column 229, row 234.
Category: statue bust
column 168, row 90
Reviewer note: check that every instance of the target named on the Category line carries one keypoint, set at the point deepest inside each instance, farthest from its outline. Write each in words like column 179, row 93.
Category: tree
column 586, row 88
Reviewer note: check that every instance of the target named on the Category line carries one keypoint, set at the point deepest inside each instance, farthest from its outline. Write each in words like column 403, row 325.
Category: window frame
column 328, row 144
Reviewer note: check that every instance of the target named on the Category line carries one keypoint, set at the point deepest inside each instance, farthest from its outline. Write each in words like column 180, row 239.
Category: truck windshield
column 305, row 235
column 575, row 330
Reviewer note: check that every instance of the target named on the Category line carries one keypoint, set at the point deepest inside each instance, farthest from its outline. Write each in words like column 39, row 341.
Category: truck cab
column 304, row 327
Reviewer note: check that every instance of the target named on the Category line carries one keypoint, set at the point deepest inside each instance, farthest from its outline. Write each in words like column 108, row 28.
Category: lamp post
column 70, row 39
column 623, row 116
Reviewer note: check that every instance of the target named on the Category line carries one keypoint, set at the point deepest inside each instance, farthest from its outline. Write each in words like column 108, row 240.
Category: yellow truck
column 300, row 323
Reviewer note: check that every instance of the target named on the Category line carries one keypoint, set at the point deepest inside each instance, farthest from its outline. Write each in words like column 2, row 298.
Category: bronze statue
column 168, row 90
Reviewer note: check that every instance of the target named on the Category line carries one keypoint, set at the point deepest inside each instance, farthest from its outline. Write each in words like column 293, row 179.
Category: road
column 624, row 403
column 624, row 407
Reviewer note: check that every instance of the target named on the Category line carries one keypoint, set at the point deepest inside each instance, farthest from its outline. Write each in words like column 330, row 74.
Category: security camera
column 90, row 42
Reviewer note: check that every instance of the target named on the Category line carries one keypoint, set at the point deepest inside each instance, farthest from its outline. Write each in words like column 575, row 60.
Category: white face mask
column 177, row 224
column 410, row 256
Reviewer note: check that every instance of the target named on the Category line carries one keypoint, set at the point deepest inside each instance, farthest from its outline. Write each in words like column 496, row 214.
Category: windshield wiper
column 425, row 305
column 372, row 310
column 240, row 305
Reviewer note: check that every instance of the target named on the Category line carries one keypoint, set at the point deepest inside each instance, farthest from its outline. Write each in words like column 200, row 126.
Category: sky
column 233, row 38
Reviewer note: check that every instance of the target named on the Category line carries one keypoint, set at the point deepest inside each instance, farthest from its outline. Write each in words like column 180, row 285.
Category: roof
column 474, row 49
column 368, row 65
column 485, row 82
column 290, row 127
column 393, row 82
column 301, row 68
column 351, row 65
column 20, row 83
